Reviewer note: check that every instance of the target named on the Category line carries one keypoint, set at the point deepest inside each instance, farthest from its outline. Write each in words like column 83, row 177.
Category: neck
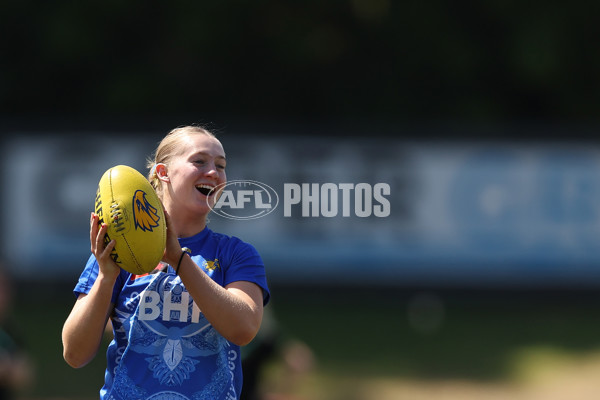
column 189, row 233
column 186, row 225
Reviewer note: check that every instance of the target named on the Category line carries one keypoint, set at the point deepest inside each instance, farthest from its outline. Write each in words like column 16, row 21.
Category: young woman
column 177, row 331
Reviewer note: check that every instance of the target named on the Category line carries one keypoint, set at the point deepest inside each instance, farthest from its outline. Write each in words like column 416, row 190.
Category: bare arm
column 83, row 330
column 84, row 327
column 235, row 311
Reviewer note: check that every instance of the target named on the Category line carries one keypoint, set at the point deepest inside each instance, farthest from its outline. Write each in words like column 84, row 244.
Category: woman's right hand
column 84, row 328
column 101, row 251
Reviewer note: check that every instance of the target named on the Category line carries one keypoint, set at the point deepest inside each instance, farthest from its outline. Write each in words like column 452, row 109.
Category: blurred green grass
column 39, row 315
column 357, row 333
column 367, row 332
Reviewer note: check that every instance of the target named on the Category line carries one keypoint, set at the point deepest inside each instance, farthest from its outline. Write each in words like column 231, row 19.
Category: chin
column 205, row 208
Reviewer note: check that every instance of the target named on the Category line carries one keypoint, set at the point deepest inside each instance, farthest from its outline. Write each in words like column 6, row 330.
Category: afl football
column 128, row 204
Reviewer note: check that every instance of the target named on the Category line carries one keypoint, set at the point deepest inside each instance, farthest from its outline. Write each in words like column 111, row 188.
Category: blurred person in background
column 257, row 355
column 16, row 370
column 294, row 359
column 194, row 352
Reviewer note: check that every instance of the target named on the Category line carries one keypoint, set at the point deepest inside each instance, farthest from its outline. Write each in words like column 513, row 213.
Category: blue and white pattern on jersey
column 173, row 350
column 163, row 347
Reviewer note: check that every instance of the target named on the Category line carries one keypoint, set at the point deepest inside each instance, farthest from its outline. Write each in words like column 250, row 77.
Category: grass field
column 376, row 343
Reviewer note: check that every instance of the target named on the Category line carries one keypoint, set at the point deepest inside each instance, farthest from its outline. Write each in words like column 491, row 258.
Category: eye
column 221, row 166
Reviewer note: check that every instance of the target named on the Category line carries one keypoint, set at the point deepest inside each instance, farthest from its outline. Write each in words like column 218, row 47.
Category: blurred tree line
column 378, row 60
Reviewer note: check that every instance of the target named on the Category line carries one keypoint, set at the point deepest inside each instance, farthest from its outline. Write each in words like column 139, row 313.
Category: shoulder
column 234, row 252
column 89, row 275
column 231, row 243
column 241, row 262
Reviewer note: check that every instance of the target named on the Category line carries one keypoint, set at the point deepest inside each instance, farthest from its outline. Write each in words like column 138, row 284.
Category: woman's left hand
column 172, row 248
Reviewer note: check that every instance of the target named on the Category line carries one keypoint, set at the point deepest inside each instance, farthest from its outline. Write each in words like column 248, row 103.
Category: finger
column 93, row 231
column 172, row 244
column 100, row 237
column 170, row 230
column 168, row 222
column 109, row 248
column 167, row 217
column 106, row 263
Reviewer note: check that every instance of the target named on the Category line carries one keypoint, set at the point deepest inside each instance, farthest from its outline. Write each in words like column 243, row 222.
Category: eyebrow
column 203, row 153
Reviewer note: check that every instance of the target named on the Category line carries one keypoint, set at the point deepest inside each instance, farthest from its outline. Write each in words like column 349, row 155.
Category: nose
column 211, row 170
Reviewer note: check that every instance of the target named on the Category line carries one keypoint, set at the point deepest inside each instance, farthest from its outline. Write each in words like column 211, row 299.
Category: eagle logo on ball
column 144, row 214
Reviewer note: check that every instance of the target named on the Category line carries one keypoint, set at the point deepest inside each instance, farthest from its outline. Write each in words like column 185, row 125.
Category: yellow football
column 127, row 202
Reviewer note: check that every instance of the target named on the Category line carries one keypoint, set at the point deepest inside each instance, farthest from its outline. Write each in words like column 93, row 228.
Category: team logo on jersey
column 144, row 214
column 211, row 265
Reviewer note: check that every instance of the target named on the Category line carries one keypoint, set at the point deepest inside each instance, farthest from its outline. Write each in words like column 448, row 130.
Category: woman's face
column 198, row 169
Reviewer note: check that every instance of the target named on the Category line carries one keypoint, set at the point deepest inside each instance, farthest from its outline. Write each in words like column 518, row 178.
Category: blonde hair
column 169, row 147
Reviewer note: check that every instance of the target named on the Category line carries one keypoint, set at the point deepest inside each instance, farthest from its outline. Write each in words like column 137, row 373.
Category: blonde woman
column 177, row 331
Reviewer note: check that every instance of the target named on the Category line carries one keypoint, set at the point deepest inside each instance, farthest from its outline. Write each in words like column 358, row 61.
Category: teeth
column 207, row 190
column 209, row 187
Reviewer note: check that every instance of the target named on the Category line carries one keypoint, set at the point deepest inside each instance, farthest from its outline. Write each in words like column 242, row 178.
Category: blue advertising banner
column 322, row 210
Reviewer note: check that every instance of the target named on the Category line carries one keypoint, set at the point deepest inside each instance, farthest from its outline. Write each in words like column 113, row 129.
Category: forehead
column 194, row 144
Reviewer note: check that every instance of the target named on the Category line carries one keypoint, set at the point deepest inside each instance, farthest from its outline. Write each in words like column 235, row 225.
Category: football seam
column 112, row 197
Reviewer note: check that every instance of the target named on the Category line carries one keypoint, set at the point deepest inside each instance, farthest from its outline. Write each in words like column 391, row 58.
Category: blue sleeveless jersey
column 163, row 346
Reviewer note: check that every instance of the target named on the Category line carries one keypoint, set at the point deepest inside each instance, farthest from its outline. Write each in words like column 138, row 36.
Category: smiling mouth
column 206, row 190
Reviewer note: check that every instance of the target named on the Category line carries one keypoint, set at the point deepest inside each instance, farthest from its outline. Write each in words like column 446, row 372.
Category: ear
column 161, row 172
